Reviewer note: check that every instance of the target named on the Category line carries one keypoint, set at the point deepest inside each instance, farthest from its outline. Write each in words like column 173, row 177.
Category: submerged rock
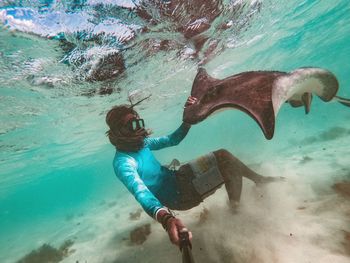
column 188, row 17
column 66, row 46
column 306, row 159
column 334, row 133
column 106, row 68
column 47, row 253
column 346, row 242
column 331, row 134
column 103, row 91
column 203, row 216
column 140, row 234
column 98, row 63
column 135, row 215
column 342, row 188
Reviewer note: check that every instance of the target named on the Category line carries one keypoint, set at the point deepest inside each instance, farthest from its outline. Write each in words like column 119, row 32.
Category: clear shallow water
column 56, row 178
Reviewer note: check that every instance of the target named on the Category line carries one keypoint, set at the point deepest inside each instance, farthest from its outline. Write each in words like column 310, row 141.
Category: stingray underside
column 298, row 86
column 249, row 92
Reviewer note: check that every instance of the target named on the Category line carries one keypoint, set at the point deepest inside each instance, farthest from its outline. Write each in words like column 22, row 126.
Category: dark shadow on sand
column 47, row 253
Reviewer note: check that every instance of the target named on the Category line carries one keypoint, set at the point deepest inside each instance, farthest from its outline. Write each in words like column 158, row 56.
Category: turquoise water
column 57, row 181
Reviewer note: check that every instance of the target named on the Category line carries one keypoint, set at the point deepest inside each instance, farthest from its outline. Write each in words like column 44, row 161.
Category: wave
column 194, row 29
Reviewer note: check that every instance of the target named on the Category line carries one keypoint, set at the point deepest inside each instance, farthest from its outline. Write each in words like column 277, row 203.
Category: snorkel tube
column 185, row 246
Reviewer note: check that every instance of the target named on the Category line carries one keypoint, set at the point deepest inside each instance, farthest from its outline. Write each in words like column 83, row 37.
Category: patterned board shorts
column 197, row 180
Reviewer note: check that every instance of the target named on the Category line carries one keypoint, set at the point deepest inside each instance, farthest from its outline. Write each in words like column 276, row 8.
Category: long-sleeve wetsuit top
column 154, row 186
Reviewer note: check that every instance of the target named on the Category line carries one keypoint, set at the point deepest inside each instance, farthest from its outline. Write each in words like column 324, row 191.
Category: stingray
column 260, row 94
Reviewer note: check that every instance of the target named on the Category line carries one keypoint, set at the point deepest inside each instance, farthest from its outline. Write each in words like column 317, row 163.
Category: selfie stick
column 185, row 246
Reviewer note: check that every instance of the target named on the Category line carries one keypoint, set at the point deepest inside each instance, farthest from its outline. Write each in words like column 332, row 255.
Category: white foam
column 53, row 23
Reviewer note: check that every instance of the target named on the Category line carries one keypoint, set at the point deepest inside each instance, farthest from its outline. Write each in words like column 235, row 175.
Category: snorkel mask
column 135, row 125
column 132, row 123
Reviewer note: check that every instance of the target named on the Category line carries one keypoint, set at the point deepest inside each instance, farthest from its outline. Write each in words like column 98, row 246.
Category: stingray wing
column 249, row 92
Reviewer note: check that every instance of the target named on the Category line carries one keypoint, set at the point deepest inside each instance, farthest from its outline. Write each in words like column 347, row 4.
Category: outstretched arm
column 126, row 171
column 173, row 139
column 170, row 140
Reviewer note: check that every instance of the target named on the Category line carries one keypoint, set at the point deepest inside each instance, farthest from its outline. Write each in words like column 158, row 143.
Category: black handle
column 186, row 246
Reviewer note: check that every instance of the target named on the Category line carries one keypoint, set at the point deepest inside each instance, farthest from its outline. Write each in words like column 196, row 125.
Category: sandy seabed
column 301, row 219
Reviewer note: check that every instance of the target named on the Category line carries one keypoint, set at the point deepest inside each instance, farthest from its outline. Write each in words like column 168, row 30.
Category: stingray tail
column 344, row 101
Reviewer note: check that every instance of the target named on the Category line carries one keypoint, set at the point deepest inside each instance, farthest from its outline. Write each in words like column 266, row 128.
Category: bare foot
column 269, row 179
column 234, row 206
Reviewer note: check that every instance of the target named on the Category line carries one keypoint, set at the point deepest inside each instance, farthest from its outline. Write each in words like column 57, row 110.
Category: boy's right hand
column 190, row 100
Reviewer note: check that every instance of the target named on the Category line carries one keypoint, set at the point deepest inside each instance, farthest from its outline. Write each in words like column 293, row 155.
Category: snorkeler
column 158, row 188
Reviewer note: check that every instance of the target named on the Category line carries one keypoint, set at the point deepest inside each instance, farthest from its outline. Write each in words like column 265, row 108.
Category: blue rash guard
column 154, row 186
